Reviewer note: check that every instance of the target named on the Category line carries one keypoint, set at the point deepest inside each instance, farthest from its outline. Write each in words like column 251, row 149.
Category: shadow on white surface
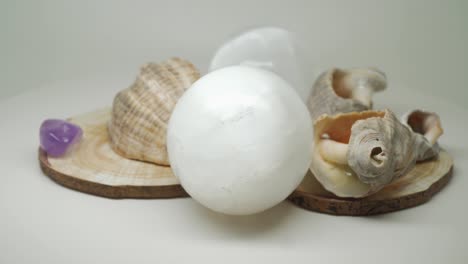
column 243, row 226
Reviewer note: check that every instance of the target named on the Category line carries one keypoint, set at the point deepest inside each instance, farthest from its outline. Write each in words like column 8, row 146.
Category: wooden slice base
column 93, row 167
column 415, row 188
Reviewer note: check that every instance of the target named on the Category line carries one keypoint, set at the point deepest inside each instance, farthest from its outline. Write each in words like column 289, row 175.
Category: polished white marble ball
column 239, row 140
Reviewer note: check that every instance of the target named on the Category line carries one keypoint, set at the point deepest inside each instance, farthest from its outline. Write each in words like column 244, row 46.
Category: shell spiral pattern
column 140, row 114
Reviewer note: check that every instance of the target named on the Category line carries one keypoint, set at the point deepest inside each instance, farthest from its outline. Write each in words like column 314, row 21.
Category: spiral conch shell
column 342, row 91
column 140, row 114
column 358, row 153
column 427, row 128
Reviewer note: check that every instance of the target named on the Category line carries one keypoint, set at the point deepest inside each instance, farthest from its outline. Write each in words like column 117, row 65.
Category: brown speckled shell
column 140, row 114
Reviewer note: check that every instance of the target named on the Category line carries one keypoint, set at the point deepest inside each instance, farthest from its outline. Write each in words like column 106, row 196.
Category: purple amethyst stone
column 58, row 136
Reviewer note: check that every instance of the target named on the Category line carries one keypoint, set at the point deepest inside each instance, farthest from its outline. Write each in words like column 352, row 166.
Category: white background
column 62, row 58
column 420, row 44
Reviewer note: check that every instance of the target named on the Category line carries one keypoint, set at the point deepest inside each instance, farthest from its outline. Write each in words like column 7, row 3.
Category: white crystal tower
column 270, row 48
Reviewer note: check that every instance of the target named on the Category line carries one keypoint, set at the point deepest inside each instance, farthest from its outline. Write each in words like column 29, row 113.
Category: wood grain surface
column 93, row 167
column 417, row 187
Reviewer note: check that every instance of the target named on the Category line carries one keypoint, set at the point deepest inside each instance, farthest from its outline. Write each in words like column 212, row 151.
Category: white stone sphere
column 240, row 140
column 270, row 48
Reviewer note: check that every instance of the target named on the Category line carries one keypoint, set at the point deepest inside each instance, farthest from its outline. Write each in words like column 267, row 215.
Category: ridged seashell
column 427, row 128
column 357, row 154
column 342, row 91
column 140, row 113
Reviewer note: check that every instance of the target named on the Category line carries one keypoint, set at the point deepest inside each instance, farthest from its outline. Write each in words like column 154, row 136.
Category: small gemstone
column 58, row 136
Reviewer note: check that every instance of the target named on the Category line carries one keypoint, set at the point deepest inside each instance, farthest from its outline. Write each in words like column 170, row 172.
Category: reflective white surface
column 240, row 140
